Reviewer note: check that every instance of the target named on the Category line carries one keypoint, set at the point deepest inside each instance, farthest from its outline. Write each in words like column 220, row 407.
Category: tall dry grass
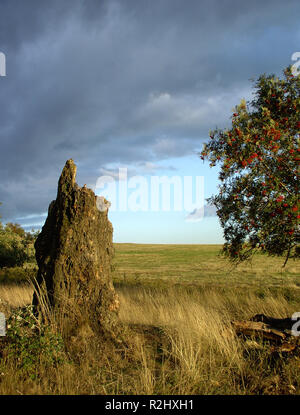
column 177, row 341
column 15, row 295
column 208, row 356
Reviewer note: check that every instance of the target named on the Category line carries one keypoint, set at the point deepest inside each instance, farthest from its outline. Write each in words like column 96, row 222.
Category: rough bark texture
column 74, row 252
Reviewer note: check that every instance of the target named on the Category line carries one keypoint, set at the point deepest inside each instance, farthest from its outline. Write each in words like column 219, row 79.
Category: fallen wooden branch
column 269, row 328
column 276, row 330
column 278, row 323
column 258, row 329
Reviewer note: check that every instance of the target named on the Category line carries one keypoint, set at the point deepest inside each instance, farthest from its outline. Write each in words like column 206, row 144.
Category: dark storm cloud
column 129, row 82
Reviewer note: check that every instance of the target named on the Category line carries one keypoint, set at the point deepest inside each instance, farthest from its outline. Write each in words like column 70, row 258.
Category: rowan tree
column 258, row 199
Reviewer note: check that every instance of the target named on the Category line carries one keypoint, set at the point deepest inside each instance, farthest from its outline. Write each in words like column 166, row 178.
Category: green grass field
column 201, row 265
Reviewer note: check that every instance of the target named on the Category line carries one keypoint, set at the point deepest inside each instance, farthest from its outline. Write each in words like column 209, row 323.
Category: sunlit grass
column 177, row 304
column 200, row 264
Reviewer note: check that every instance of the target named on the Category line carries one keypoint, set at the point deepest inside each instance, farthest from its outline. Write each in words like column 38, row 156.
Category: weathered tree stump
column 73, row 253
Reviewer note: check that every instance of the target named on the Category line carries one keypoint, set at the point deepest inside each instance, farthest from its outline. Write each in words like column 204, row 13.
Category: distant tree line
column 16, row 245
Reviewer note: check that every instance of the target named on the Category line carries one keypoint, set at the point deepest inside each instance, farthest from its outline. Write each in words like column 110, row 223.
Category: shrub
column 30, row 344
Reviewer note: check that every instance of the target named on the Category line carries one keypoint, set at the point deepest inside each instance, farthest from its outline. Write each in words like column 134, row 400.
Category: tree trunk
column 73, row 253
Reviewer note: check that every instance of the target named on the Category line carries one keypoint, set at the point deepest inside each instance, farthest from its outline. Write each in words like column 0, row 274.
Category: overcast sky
column 133, row 83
